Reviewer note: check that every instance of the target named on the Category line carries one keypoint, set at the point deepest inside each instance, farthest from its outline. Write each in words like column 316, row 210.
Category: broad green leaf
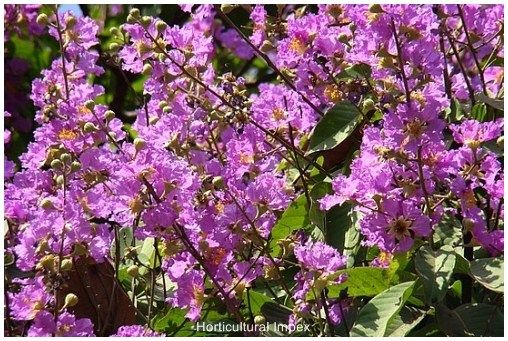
column 337, row 124
column 476, row 319
column 374, row 317
column 175, row 323
column 337, row 222
column 255, row 301
column 362, row 281
column 295, row 217
column 489, row 272
column 360, row 70
column 317, row 192
column 404, row 321
column 435, row 268
column 482, row 319
column 448, row 231
column 494, row 103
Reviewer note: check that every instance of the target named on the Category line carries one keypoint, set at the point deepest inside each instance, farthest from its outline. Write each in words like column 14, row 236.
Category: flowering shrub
column 333, row 166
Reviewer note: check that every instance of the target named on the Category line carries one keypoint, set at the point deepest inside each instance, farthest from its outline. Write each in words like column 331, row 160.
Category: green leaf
column 374, row 317
column 435, row 269
column 489, row 272
column 360, row 70
column 362, row 281
column 295, row 217
column 448, row 231
column 403, row 322
column 255, row 300
column 317, row 192
column 494, row 103
column 471, row 320
column 482, row 319
column 337, row 124
column 479, row 112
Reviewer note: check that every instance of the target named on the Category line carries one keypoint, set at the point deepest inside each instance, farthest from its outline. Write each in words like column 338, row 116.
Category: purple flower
column 135, row 331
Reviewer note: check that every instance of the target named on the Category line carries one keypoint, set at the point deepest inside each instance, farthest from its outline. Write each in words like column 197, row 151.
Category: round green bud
column 75, row 166
column 90, row 105
column 259, row 319
column 135, row 13
column 47, row 204
column 79, row 250
column 227, row 8
column 343, row 38
column 153, row 120
column 500, row 142
column 375, row 8
column 160, row 25
column 368, row 105
column 114, row 47
column 139, row 143
column 42, row 19
column 109, row 115
column 146, row 20
column 56, row 164
column 89, row 127
column 114, row 31
column 133, row 271
column 131, row 19
column 60, row 180
column 71, row 300
column 162, row 104
column 166, row 109
column 66, row 158
column 66, row 264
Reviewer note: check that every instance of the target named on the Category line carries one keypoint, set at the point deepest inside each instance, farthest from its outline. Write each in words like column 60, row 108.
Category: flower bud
column 89, row 127
column 133, row 271
column 75, row 166
column 42, row 247
column 376, row 8
column 56, row 164
column 500, row 142
column 146, row 20
column 166, row 109
column 218, row 182
column 114, row 47
column 42, row 19
column 47, row 204
column 259, row 319
column 227, row 8
column 368, row 105
column 66, row 158
column 147, row 69
column 114, row 31
column 71, row 300
column 109, row 115
column 343, row 38
column 162, row 104
column 135, row 13
column 153, row 120
column 60, row 180
column 139, row 144
column 90, row 104
column 160, row 25
column 66, row 264
column 131, row 20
